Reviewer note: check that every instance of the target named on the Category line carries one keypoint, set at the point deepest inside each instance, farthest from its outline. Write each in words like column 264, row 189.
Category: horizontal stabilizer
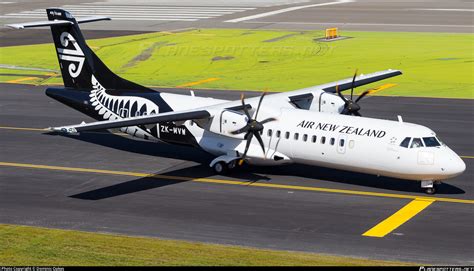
column 39, row 24
column 91, row 19
column 58, row 22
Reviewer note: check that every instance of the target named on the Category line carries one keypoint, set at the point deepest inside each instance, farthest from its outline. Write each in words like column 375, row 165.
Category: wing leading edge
column 360, row 80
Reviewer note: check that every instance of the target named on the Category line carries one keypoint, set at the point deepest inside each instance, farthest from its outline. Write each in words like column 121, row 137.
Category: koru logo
column 74, row 55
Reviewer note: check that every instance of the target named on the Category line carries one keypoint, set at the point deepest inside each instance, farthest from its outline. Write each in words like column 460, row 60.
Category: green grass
column 434, row 64
column 26, row 246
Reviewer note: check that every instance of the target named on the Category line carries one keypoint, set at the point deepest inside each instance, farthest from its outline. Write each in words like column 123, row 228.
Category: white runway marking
column 138, row 12
column 279, row 11
column 364, row 24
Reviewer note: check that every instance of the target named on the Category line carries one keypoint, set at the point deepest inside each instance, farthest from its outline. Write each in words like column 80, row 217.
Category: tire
column 232, row 164
column 430, row 191
column 220, row 168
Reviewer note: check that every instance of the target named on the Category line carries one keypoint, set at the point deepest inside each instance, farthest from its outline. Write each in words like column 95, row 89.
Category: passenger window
column 278, row 133
column 341, row 143
column 351, row 144
column 287, row 135
column 296, row 136
column 332, row 141
column 405, row 142
column 431, row 142
column 313, row 139
column 416, row 143
column 305, row 137
column 269, row 133
column 323, row 140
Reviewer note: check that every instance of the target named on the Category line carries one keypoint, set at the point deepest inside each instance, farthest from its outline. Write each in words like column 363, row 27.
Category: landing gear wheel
column 220, row 168
column 428, row 186
column 430, row 190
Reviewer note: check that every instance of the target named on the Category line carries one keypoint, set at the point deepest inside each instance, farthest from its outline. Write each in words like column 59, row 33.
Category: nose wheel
column 430, row 191
column 430, row 186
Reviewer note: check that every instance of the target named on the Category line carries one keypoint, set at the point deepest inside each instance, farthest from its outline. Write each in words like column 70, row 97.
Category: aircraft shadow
column 155, row 181
column 359, row 179
column 248, row 173
column 156, row 149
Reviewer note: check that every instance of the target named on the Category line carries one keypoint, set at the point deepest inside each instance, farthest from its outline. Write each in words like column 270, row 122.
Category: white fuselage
column 331, row 140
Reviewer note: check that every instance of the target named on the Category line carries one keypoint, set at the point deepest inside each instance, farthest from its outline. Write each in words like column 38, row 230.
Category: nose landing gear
column 430, row 186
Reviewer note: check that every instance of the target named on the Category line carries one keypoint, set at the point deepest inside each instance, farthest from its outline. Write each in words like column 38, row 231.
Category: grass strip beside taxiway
column 434, row 64
column 25, row 245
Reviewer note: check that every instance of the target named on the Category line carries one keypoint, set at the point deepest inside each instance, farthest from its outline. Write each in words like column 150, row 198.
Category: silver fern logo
column 75, row 55
column 112, row 107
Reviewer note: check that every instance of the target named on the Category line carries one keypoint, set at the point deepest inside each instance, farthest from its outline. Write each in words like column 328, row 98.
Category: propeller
column 252, row 128
column 351, row 107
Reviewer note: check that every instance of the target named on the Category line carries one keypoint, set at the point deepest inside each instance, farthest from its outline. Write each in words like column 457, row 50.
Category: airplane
column 314, row 126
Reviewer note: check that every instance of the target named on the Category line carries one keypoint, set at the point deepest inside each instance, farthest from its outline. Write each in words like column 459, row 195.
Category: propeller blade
column 356, row 113
column 260, row 141
column 362, row 95
column 241, row 130
column 267, row 120
column 340, row 94
column 247, row 145
column 259, row 103
column 352, row 84
column 245, row 108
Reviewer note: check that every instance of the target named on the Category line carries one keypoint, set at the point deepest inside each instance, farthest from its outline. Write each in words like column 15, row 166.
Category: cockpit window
column 431, row 142
column 416, row 143
column 405, row 142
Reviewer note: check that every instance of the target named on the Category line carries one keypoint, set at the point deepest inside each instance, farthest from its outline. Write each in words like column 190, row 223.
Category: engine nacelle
column 329, row 103
column 319, row 101
column 225, row 122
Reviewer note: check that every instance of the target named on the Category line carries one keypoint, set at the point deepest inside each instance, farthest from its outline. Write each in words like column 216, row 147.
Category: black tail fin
column 78, row 63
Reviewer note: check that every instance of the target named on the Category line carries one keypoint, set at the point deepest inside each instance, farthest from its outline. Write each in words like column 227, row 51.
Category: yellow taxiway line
column 23, row 128
column 467, row 157
column 399, row 218
column 382, row 87
column 241, row 183
column 198, row 82
column 21, row 80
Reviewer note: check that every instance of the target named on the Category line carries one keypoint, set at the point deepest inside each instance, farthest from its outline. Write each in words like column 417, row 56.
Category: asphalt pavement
column 96, row 181
column 268, row 216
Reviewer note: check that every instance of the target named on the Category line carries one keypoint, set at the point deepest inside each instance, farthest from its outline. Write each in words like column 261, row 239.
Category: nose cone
column 453, row 164
column 459, row 166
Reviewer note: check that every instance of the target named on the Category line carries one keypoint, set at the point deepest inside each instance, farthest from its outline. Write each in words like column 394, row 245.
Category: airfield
column 107, row 182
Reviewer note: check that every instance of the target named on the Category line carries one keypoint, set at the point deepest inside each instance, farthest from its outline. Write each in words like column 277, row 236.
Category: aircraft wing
column 134, row 121
column 344, row 84
column 360, row 80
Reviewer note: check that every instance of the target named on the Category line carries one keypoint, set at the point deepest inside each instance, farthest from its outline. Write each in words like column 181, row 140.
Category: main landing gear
column 430, row 186
column 223, row 164
column 223, row 168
